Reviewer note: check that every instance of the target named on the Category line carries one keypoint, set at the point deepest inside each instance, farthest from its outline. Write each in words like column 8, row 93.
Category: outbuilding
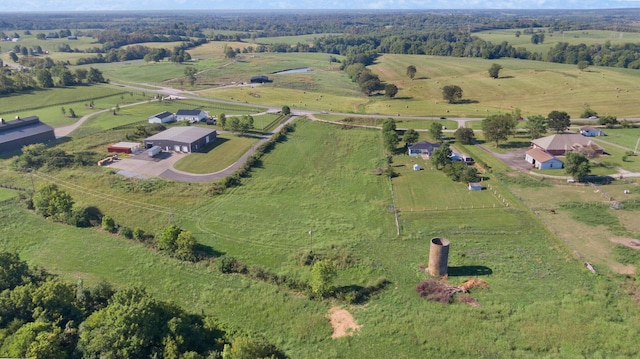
column 260, row 79
column 162, row 117
column 23, row 131
column 123, row 147
column 588, row 131
column 542, row 160
column 182, row 139
column 475, row 186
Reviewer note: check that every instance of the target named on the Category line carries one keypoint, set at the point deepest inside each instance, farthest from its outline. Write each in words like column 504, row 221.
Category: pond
column 293, row 71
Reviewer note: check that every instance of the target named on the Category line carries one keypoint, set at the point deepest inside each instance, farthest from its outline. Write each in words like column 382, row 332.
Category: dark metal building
column 182, row 139
column 23, row 131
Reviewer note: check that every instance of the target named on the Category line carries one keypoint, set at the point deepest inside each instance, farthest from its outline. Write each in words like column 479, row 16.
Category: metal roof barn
column 182, row 139
column 22, row 132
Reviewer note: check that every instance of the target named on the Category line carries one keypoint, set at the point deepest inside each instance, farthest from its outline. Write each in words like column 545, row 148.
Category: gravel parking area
column 143, row 166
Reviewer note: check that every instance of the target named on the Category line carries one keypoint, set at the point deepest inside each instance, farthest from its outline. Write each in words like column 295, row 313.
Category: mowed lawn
column 224, row 151
column 430, row 189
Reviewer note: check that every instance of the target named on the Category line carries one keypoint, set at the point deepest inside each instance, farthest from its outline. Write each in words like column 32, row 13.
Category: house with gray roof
column 191, row 115
column 423, row 148
column 182, row 139
column 23, row 131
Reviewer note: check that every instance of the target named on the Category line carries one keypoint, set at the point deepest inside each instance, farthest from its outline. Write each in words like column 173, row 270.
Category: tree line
column 41, row 316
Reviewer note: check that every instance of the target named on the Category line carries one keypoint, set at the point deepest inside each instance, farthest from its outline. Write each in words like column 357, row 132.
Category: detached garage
column 182, row 139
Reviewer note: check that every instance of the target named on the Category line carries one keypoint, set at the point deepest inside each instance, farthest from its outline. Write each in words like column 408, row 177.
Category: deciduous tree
column 452, row 93
column 494, row 71
column 558, row 121
column 536, row 126
column 390, row 90
column 435, row 131
column 441, row 156
column 577, row 165
column 410, row 136
column 411, row 71
column 464, row 135
column 499, row 127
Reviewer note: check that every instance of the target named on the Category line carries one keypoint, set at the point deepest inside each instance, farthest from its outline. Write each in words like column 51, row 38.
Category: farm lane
column 66, row 130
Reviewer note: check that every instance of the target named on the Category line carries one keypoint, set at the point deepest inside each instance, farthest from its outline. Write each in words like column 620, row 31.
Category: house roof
column 424, row 145
column 589, row 129
column 26, row 127
column 188, row 112
column 564, row 141
column 539, row 155
column 186, row 134
column 164, row 114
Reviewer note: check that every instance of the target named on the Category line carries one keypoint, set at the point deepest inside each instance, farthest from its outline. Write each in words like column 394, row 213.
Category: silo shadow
column 469, row 271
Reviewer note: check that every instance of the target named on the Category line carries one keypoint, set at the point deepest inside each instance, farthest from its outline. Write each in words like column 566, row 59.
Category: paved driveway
column 143, row 166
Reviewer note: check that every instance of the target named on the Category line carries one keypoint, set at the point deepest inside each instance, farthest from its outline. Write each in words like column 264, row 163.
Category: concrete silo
column 438, row 257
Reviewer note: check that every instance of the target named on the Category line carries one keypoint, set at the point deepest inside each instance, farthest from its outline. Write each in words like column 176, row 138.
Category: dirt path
column 342, row 323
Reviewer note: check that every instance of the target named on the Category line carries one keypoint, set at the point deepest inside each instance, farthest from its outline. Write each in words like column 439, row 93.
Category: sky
column 118, row 5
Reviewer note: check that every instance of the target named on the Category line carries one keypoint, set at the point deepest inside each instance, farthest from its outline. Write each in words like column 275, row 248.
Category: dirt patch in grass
column 626, row 241
column 342, row 322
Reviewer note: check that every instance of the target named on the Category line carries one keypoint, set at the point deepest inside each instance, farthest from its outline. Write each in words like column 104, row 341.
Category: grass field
column 535, row 87
column 588, row 37
column 540, row 300
column 226, row 150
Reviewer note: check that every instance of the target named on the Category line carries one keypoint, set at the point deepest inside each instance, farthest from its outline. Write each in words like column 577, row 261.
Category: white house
column 542, row 160
column 162, row 117
column 423, row 148
column 588, row 131
column 191, row 115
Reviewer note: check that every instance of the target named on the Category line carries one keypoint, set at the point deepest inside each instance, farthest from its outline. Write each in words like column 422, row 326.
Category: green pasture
column 224, row 151
column 625, row 137
column 540, row 300
column 535, row 87
column 47, row 104
column 139, row 71
column 6, row 194
column 574, row 37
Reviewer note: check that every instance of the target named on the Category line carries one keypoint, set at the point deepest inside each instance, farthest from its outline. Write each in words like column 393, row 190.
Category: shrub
column 79, row 217
column 108, row 224
column 138, row 234
column 227, row 264
column 126, row 232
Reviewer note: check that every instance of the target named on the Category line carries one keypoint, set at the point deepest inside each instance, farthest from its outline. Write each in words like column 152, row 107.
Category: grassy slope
column 223, row 153
column 540, row 301
column 534, row 87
